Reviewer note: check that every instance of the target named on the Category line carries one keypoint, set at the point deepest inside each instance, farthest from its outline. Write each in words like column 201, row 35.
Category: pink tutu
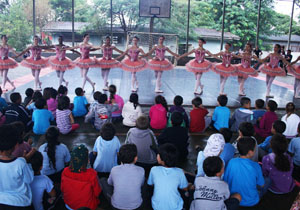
column 108, row 63
column 196, row 67
column 294, row 71
column 246, row 72
column 8, row 63
column 62, row 65
column 277, row 71
column 225, row 71
column 86, row 63
column 35, row 64
column 133, row 66
column 158, row 65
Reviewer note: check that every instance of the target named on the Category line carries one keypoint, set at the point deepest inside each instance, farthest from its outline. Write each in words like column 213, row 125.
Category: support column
column 291, row 26
column 188, row 27
column 73, row 34
column 33, row 17
column 223, row 24
column 111, row 22
column 258, row 24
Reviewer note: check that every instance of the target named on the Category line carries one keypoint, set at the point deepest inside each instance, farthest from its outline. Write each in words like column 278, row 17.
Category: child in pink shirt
column 52, row 102
column 158, row 113
column 118, row 100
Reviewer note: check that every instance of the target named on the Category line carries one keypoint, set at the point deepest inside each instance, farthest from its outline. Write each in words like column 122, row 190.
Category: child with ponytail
column 116, row 115
column 158, row 113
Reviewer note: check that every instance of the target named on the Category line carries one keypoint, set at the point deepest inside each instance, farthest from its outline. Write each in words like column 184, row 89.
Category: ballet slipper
column 93, row 86
column 159, row 91
column 105, row 88
column 133, row 90
column 67, row 83
column 197, row 93
column 269, row 96
column 223, row 94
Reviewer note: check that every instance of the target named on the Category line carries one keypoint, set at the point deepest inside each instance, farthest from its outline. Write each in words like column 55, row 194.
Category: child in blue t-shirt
column 259, row 110
column 40, row 183
column 229, row 150
column 167, row 179
column 80, row 103
column 31, row 105
column 41, row 117
column 244, row 175
column 221, row 113
column 264, row 148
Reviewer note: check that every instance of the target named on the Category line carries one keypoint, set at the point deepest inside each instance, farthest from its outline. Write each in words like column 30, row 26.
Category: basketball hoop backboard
column 155, row 8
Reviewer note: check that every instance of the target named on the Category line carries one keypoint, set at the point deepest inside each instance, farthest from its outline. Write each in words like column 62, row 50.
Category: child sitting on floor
column 40, row 183
column 244, row 175
column 229, row 150
column 23, row 147
column 131, row 110
column 29, row 93
column 178, row 101
column 123, row 187
column 80, row 185
column 199, row 120
column 167, row 179
column 259, row 111
column 243, row 114
column 218, row 189
column 41, row 117
column 115, row 99
column 221, row 113
column 158, row 113
column 294, row 150
column 80, row 103
column 52, row 102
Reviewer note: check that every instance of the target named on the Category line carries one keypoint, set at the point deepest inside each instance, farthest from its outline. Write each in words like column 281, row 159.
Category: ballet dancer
column 6, row 62
column 107, row 62
column 35, row 62
column 133, row 63
column 294, row 69
column 60, row 63
column 244, row 70
column 225, row 69
column 84, row 62
column 199, row 65
column 272, row 69
column 159, row 63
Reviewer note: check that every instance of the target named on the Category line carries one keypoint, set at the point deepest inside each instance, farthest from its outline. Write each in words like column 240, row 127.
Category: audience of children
column 41, row 117
column 199, row 120
column 243, row 114
column 80, row 103
column 291, row 120
column 265, row 123
column 79, row 184
column 146, row 143
column 64, row 118
column 158, row 113
column 116, row 99
column 123, row 188
column 177, row 107
column 176, row 135
column 131, row 110
column 221, row 115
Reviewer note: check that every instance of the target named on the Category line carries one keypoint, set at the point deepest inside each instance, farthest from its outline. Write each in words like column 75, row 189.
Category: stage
column 175, row 82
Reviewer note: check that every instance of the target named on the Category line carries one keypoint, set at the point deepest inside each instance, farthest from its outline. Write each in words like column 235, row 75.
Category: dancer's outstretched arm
column 123, row 54
column 172, row 53
column 149, row 53
column 23, row 52
column 116, row 49
column 185, row 54
column 294, row 62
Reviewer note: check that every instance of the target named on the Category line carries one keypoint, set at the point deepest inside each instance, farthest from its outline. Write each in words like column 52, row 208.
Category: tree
column 4, row 4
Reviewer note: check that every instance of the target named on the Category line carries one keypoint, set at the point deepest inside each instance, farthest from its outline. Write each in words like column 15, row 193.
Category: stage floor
column 176, row 82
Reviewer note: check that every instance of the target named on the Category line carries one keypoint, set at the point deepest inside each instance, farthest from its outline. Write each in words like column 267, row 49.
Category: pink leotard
column 246, row 61
column 274, row 60
column 36, row 53
column 60, row 53
column 107, row 53
column 4, row 53
column 133, row 55
column 226, row 61
column 85, row 52
column 199, row 56
column 160, row 53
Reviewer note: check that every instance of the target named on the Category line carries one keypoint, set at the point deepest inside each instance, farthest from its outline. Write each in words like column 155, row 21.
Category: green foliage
column 15, row 26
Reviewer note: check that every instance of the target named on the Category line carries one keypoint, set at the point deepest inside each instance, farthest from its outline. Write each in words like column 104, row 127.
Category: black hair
column 134, row 98
column 51, row 136
column 279, row 146
column 197, row 102
column 203, row 40
column 127, row 153
column 83, row 208
column 102, row 98
column 229, row 44
column 3, row 36
column 222, row 99
column 245, row 144
column 29, row 92
column 108, row 131
column 178, row 100
column 40, row 103
column 36, row 162
column 96, row 95
column 226, row 133
column 62, row 90
column 290, row 109
column 169, row 154
column 135, row 37
column 142, row 122
column 61, row 36
column 8, row 137
column 112, row 89
column 53, row 93
column 278, row 46
column 1, row 91
column 47, row 93
column 272, row 105
column 279, row 126
column 212, row 165
column 176, row 119
column 20, row 129
column 260, row 103
column 63, row 102
column 36, row 95
column 36, row 37
column 162, row 37
column 85, row 35
column 79, row 91
column 15, row 97
column 107, row 37
column 247, row 129
column 245, row 100
column 161, row 100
